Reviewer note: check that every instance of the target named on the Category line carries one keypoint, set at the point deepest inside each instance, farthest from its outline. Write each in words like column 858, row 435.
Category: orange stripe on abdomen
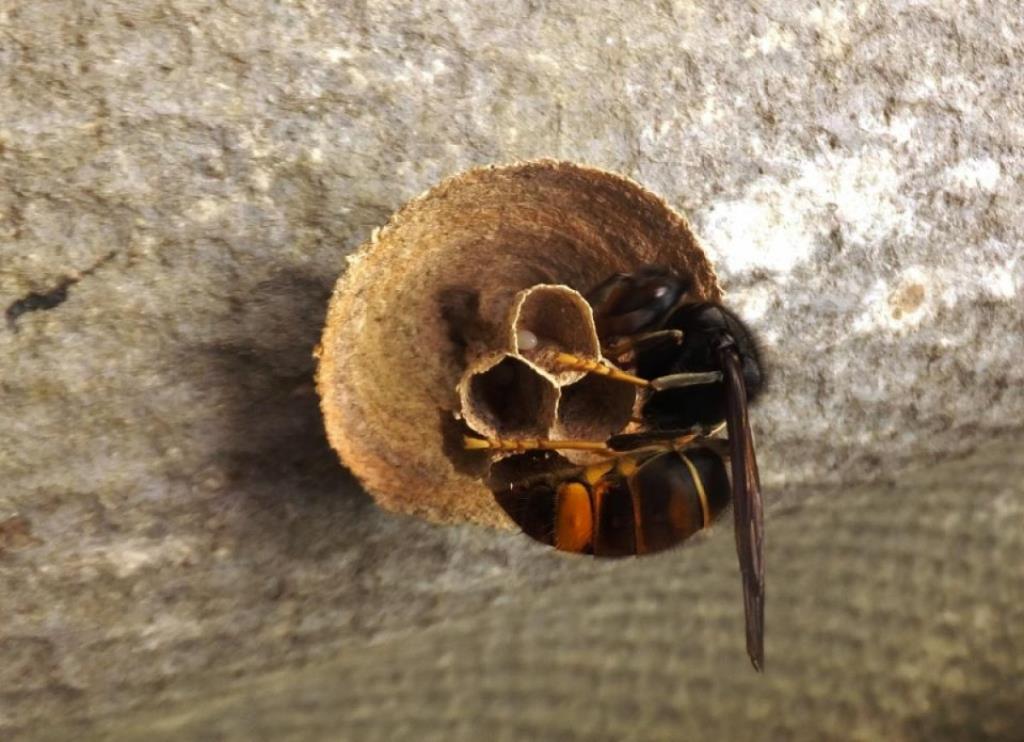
column 574, row 518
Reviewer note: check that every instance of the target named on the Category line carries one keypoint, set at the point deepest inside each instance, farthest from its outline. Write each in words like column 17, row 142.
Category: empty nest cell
column 593, row 409
column 547, row 320
column 505, row 397
column 554, row 316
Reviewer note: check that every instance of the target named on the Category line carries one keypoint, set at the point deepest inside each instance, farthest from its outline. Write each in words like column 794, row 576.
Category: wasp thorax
column 522, row 390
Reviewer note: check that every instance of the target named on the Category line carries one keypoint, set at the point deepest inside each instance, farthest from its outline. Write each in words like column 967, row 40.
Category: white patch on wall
column 206, row 209
column 754, row 302
column 1001, row 284
column 778, row 224
column 129, row 557
column 976, row 173
column 335, row 54
column 260, row 179
column 990, row 275
column 865, row 191
column 358, row 82
column 832, row 27
column 774, row 38
column 710, row 111
column 757, row 232
column 900, row 304
column 900, row 128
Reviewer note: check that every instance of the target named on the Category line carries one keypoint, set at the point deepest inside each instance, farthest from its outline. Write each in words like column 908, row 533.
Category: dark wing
column 748, row 507
column 609, row 292
column 629, row 303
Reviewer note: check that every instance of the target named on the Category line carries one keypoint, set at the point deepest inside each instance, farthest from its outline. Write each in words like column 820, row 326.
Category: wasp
column 701, row 367
column 649, row 493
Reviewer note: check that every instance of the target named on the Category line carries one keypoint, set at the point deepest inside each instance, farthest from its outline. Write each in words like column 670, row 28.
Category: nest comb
column 430, row 332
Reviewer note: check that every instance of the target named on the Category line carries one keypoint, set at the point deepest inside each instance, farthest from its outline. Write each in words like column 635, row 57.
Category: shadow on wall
column 272, row 448
column 972, row 715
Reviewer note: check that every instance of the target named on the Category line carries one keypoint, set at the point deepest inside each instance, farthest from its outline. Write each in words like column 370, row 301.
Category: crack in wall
column 36, row 301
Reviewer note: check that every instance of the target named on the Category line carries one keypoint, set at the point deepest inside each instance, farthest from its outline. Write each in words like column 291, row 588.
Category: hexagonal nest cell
column 525, row 393
column 454, row 310
column 550, row 319
column 594, row 408
column 507, row 397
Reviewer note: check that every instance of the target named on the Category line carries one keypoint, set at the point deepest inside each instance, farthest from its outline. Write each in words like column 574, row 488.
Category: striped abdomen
column 622, row 508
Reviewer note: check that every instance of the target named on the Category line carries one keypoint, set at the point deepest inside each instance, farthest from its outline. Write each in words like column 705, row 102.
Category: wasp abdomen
column 574, row 517
column 625, row 509
column 615, row 531
column 678, row 494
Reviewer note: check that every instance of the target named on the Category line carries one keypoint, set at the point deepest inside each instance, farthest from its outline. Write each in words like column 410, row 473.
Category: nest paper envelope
column 432, row 294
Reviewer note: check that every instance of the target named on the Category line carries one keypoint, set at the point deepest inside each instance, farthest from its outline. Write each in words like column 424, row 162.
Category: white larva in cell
column 526, row 340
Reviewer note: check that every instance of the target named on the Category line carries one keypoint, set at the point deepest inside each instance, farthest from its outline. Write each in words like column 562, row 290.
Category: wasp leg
column 675, row 381
column 665, row 439
column 571, row 362
column 673, row 438
column 715, row 430
column 532, row 444
column 643, row 341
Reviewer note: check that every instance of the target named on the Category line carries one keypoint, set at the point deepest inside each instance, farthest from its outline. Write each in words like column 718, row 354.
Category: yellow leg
column 671, row 381
column 532, row 444
column 575, row 363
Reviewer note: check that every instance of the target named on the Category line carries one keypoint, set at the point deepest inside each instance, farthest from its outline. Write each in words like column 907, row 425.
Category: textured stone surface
column 876, row 631
column 179, row 182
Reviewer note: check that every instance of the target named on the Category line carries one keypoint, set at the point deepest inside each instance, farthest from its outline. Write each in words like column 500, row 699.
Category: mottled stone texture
column 890, row 619
column 179, row 183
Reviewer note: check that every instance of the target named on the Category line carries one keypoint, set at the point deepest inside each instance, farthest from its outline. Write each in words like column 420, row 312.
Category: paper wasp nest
column 445, row 321
column 516, row 391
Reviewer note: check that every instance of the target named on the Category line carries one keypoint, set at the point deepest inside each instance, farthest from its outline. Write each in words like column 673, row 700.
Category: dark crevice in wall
column 36, row 301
